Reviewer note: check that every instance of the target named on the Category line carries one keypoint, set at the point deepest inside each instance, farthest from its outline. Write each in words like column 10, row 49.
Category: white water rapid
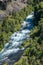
column 11, row 51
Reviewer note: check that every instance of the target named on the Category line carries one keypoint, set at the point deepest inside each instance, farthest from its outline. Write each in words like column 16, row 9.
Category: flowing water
column 11, row 51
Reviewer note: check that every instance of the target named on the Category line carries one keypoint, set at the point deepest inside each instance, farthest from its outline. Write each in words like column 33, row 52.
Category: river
column 12, row 51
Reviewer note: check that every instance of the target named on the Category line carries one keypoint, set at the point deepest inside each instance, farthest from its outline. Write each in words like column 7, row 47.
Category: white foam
column 16, row 40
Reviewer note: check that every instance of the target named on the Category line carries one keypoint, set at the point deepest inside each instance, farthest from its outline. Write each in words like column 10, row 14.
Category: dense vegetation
column 34, row 54
column 12, row 23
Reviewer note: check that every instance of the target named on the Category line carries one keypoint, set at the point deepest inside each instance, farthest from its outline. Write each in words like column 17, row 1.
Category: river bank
column 16, row 40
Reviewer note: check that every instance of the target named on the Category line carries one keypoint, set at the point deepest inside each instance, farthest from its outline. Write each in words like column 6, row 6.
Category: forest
column 34, row 54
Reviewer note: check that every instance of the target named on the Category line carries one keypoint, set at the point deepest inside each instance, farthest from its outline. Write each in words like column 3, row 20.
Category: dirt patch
column 15, row 6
